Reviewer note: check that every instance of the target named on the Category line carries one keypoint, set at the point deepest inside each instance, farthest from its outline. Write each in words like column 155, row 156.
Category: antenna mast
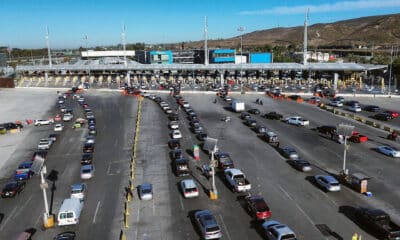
column 48, row 45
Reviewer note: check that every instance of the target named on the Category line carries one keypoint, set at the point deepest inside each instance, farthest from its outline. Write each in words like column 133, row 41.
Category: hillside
column 371, row 31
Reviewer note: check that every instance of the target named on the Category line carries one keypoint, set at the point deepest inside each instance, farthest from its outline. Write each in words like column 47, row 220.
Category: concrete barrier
column 387, row 128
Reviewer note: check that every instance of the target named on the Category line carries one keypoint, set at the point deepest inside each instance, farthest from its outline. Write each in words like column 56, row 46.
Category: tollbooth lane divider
column 130, row 188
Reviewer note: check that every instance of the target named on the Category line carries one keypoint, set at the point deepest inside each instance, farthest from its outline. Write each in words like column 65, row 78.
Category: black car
column 382, row 117
column 371, row 108
column 11, row 125
column 224, row 160
column 196, row 128
column 326, row 129
column 92, row 121
column 174, row 143
column 53, row 137
column 260, row 129
column 301, row 165
column 254, row 111
column 350, row 103
column 88, row 148
column 173, row 117
column 273, row 116
column 12, row 188
column 176, row 154
column 87, row 158
column 201, row 136
column 65, row 236
column 251, row 122
column 244, row 115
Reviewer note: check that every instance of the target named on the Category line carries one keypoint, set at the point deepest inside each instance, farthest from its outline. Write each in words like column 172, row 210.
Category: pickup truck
column 237, row 180
column 378, row 222
column 298, row 121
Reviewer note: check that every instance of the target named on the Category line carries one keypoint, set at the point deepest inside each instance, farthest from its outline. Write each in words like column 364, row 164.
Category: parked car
column 12, row 188
column 335, row 103
column 45, row 144
column 273, row 116
column 354, row 108
column 87, row 171
column 289, row 152
column 389, row 151
column 201, row 136
column 67, row 117
column 245, row 115
column 90, row 139
column 260, row 129
column 371, row 108
column 176, row 153
column 146, row 191
column 189, row 188
column 257, row 207
column 250, row 122
column 277, row 231
column 207, row 224
column 301, row 165
column 327, row 182
column 173, row 125
column 88, row 147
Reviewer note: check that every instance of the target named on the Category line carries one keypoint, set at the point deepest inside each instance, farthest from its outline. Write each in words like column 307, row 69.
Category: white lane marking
column 305, row 214
column 138, row 213
column 154, row 208
column 95, row 212
column 8, row 218
column 37, row 220
column 181, row 201
column 22, row 207
column 226, row 229
column 285, row 192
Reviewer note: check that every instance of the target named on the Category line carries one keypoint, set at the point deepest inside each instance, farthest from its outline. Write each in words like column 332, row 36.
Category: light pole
column 214, row 191
column 241, row 30
column 345, row 131
column 48, row 221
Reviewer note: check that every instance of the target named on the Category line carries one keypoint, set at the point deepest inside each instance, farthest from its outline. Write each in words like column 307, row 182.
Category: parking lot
column 293, row 196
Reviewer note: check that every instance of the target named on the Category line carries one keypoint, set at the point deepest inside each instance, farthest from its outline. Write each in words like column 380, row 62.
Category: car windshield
column 10, row 186
column 86, row 170
column 289, row 237
column 146, row 190
column 212, row 229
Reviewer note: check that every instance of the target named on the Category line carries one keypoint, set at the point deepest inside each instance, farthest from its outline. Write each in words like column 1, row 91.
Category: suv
column 207, row 224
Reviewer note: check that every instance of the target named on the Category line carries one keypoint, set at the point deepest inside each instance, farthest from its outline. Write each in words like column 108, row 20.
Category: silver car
column 146, row 191
column 389, row 151
column 207, row 224
column 328, row 182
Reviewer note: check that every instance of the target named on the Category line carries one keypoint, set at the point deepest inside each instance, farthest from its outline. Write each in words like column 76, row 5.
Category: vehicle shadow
column 349, row 212
column 205, row 189
column 190, row 152
column 257, row 226
column 193, row 221
column 228, row 108
column 311, row 180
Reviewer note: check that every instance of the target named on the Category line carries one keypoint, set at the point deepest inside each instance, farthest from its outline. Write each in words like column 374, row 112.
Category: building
column 260, row 58
column 101, row 54
column 222, row 55
column 183, row 56
column 154, row 57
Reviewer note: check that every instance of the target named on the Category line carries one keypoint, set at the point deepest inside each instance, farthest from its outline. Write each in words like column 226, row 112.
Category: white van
column 70, row 212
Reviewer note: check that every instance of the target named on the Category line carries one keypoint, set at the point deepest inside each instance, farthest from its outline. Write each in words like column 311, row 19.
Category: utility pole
column 390, row 72
column 205, row 41
column 48, row 45
column 305, row 38
column 345, row 131
column 48, row 221
column 124, row 43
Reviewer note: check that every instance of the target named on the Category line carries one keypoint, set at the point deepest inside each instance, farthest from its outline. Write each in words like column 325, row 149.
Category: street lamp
column 241, row 30
column 346, row 131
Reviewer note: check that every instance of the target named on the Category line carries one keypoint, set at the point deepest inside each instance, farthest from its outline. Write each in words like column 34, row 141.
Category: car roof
column 329, row 178
column 234, row 171
column 207, row 217
column 189, row 183
column 146, row 186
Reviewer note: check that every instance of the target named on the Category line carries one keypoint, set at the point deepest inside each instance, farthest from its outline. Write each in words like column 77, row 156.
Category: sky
column 23, row 22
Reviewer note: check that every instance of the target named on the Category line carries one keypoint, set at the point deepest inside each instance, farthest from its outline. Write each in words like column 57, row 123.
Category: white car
column 298, row 121
column 45, row 144
column 163, row 104
column 336, row 103
column 174, row 125
column 43, row 122
column 78, row 190
column 87, row 171
column 67, row 117
column 58, row 127
column 176, row 134
column 328, row 182
column 186, row 104
column 354, row 108
column 389, row 151
column 90, row 139
column 189, row 188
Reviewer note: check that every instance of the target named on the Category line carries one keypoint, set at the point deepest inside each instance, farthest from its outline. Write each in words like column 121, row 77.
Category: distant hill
column 373, row 31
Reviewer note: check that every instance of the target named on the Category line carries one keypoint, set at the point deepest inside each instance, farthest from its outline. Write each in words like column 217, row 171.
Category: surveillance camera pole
column 214, row 191
column 48, row 221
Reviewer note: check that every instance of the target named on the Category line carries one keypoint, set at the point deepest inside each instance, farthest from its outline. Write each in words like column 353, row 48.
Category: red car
column 393, row 114
column 258, row 207
column 358, row 138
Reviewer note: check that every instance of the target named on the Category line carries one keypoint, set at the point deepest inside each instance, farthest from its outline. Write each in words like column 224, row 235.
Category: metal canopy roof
column 88, row 65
